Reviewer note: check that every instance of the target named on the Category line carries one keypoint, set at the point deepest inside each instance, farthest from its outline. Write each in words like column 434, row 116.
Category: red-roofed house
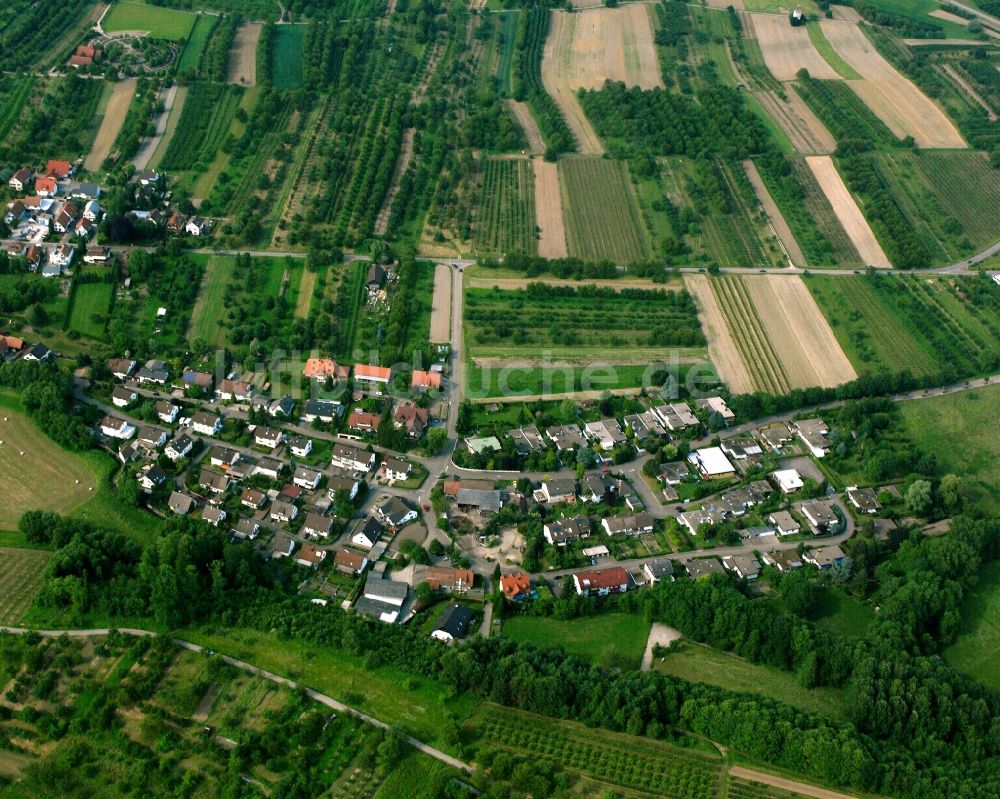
column 46, row 186
column 372, row 374
column 601, row 582
column 58, row 169
column 515, row 586
column 322, row 368
column 425, row 380
column 86, row 51
column 412, row 418
column 363, row 422
column 80, row 61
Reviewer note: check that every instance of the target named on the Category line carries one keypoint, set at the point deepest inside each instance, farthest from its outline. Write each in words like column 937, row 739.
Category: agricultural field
column 600, row 213
column 91, row 300
column 21, row 578
column 208, row 315
column 242, row 69
column 205, row 119
column 286, row 56
column 203, row 26
column 118, row 102
column 609, row 639
column 788, row 49
column 699, row 663
column 59, row 480
column 506, row 222
column 159, row 22
column 642, row 765
column 505, row 379
column 36, row 30
column 804, row 130
column 548, row 210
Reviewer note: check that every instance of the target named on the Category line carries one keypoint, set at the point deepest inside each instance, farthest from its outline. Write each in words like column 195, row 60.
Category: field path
column 800, row 788
column 722, row 349
column 781, row 228
column 548, row 210
column 142, row 158
column 892, row 97
column 804, row 129
column 787, row 50
column 855, row 225
column 242, row 69
column 405, row 154
column 173, row 118
column 111, row 125
column 536, row 145
column 441, row 305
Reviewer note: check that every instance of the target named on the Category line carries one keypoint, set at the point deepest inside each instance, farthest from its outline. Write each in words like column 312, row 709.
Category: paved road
column 329, row 701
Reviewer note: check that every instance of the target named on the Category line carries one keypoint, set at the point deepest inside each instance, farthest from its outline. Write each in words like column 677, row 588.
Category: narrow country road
column 329, row 701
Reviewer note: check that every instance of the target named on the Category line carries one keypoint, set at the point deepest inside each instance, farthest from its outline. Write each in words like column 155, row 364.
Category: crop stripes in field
column 749, row 334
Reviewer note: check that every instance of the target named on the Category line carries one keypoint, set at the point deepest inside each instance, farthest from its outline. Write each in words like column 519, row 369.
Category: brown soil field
column 724, row 4
column 548, row 210
column 111, row 125
column 847, row 14
column 947, row 16
column 441, row 305
column 536, row 145
column 405, row 154
column 722, row 350
column 938, row 42
column 586, row 48
column 781, row 228
column 855, row 225
column 787, row 50
column 890, row 96
column 802, row 127
column 243, row 55
column 798, row 331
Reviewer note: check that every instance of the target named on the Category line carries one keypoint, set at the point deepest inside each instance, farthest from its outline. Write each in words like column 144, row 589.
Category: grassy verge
column 609, row 639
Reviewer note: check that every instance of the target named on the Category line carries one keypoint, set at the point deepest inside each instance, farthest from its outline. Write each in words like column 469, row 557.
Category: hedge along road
column 266, row 675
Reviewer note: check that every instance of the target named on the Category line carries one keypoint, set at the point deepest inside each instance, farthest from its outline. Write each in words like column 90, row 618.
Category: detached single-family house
column 192, row 378
column 300, row 446
column 151, row 438
column 282, row 546
column 352, row 458
column 269, row 468
column 122, row 397
column 61, row 255
column 812, row 433
column 151, row 476
column 566, row 437
column 96, row 254
column 396, row 469
column 121, row 368
column 864, row 499
column 411, row 418
column 246, row 528
column 783, row 522
column 113, row 427
column 606, row 432
column 823, row 558
column 597, row 488
column 213, row 515
column 213, row 481
column 340, row 480
column 316, row 524
column 395, row 513
column 559, row 490
column 454, row 624
column 166, row 411
column 237, row 390
column 694, row 519
column 349, row 562
column 321, row 410
column 746, row 567
column 788, row 480
column 283, row 406
column 38, row 352
column 267, row 437
column 180, row 447
column 445, row 578
column 516, row 586
column 46, row 186
column 659, row 569
column 564, row 531
column 154, row 372
column 373, row 377
column 283, row 512
column 364, row 422
column 310, row 556
column 367, row 533
column 197, row 226
column 207, row 424
column 527, row 439
column 423, row 381
column 252, row 498
column 179, row 503
column 21, row 179
column 601, row 582
column 703, row 567
column 223, row 457
column 784, row 560
column 307, row 478
column 712, row 463
column 322, row 368
column 382, row 598
column 639, row 524
column 819, row 515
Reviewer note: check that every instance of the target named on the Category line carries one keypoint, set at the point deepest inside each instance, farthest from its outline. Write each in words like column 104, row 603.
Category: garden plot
column 847, row 211
column 787, row 50
column 111, row 124
column 891, row 96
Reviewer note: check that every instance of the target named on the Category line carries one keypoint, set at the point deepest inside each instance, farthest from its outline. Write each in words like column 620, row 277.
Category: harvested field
column 722, row 5
column 243, row 55
column 947, row 16
column 802, row 338
column 536, row 146
column 846, row 14
column 405, row 154
column 587, row 48
column 722, row 349
column 441, row 305
column 21, row 577
column 847, row 211
column 781, row 228
column 303, row 301
column 816, row 204
column 548, row 210
column 803, row 128
column 111, row 125
column 787, row 50
column 891, row 96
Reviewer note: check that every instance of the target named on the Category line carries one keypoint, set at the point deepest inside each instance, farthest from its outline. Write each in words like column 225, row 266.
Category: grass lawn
column 21, row 577
column 531, row 380
column 207, row 316
column 203, row 26
column 287, row 56
column 416, row 705
column 961, row 431
column 698, row 663
column 609, row 639
column 977, row 649
column 162, row 23
column 90, row 308
column 843, row 615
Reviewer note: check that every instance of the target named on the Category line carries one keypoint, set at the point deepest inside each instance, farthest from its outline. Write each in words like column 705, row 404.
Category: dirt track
column 847, row 211
column 536, row 145
column 798, row 788
column 787, row 50
column 798, row 331
column 722, row 350
column 441, row 305
column 243, row 55
column 781, row 228
column 405, row 154
column 111, row 125
column 890, row 96
column 947, row 16
column 586, row 48
column 548, row 210
column 802, row 127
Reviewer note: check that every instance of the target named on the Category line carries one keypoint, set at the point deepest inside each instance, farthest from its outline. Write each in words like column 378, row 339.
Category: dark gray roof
column 455, row 621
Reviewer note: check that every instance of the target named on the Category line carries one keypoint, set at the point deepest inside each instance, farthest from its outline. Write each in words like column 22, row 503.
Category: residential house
column 180, row 447
column 92, row 211
column 38, row 352
column 86, row 191
column 179, row 503
column 316, row 524
column 151, row 476
column 607, row 432
column 601, row 582
column 364, row 422
column 123, row 397
column 812, row 433
column 307, row 478
column 717, row 405
column 373, row 377
column 321, row 410
column 246, row 528
column 155, row 372
column 454, row 624
column 784, row 560
column 310, row 556
column 252, row 498
column 676, row 416
column 382, row 599
column 597, row 488
column 396, row 469
column 46, row 186
column 395, row 513
column 352, row 458
column 61, row 255
column 59, row 169
column 65, row 218
column 559, row 490
column 269, row 468
column 151, row 438
column 424, row 381
column 283, row 512
column 824, row 558
column 198, row 226
column 238, row 390
column 561, row 532
column 783, row 522
column 340, row 480
column 712, row 463
column 788, row 481
column 645, row 425
column 746, row 567
column 244, row 468
column 176, row 223
column 774, row 436
column 864, row 499
column 267, row 437
column 445, row 578
column 516, row 586
column 281, row 546
column 166, row 411
column 21, row 179
column 114, row 427
column 820, row 516
column 213, row 481
column 10, row 347
column 96, row 254
column 283, row 406
column 674, row 473
column 566, row 437
column 223, row 457
column 479, row 445
column 192, row 378
column 207, row 424
column 694, row 519
column 741, row 448
column 376, row 278
column 367, row 533
column 639, row 524
column 322, row 368
column 659, row 569
column 213, row 515
column 411, row 418
column 349, row 562
column 527, row 439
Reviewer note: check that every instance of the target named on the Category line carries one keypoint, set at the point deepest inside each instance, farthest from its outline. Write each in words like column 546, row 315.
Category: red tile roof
column 603, row 578
column 515, row 584
column 59, row 169
column 425, row 379
column 365, row 371
column 324, row 367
